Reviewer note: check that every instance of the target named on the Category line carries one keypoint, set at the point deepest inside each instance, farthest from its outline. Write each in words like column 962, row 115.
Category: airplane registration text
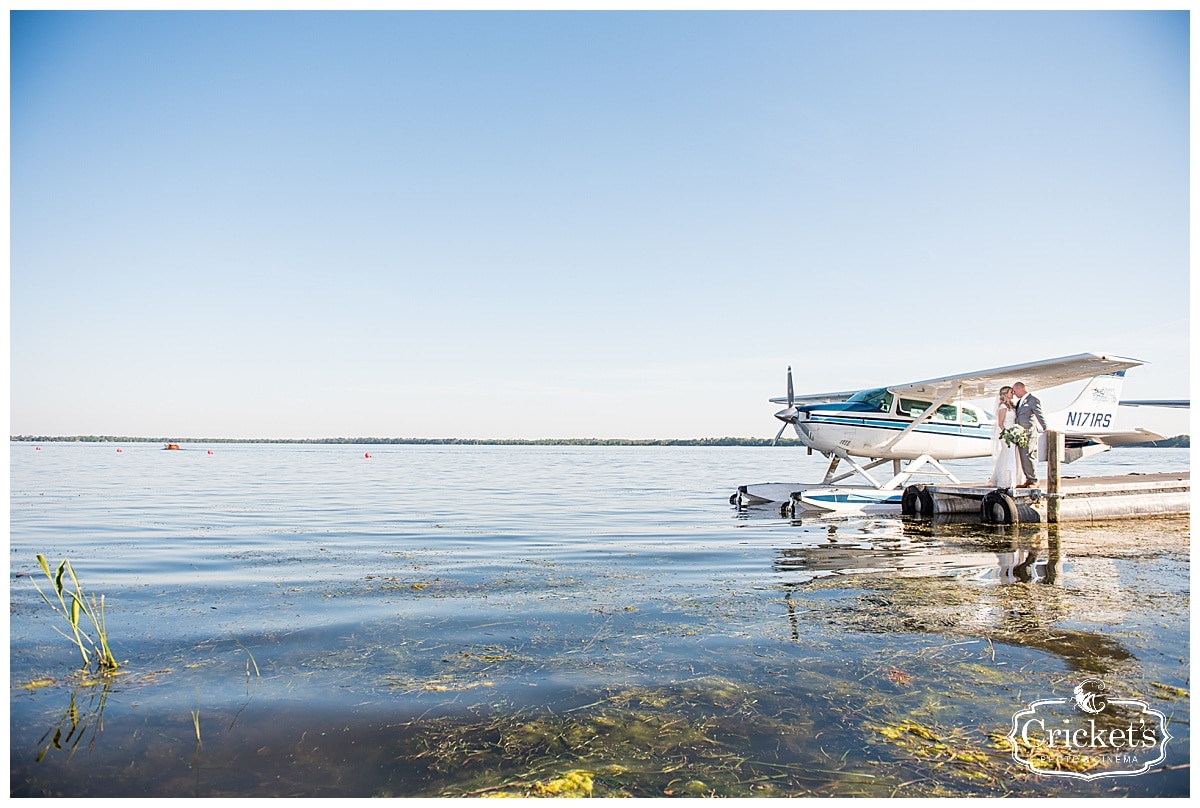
column 1101, row 420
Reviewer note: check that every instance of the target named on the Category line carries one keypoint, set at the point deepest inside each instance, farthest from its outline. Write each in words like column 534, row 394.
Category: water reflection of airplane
column 1011, row 593
column 884, row 547
column 927, row 422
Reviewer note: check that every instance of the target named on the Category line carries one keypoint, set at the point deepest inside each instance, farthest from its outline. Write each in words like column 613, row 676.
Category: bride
column 1004, row 472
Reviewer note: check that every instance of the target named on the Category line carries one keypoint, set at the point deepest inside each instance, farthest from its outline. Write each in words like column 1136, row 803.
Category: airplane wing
column 1037, row 376
column 1185, row 404
column 816, row 398
column 1123, row 438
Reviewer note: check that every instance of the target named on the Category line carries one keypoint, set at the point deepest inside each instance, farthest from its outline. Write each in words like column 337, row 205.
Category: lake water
column 297, row 620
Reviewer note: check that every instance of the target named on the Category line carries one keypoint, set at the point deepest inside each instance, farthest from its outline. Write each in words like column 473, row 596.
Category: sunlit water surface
column 428, row 621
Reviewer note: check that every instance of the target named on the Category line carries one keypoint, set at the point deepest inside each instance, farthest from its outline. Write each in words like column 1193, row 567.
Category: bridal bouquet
column 1015, row 436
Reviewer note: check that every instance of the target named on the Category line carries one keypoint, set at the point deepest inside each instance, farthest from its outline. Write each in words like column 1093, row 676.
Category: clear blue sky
column 525, row 225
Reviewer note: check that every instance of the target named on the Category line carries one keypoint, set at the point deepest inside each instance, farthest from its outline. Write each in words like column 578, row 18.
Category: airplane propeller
column 791, row 415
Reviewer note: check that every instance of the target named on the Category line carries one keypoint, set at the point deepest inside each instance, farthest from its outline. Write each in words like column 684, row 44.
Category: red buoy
column 367, row 455
column 210, row 451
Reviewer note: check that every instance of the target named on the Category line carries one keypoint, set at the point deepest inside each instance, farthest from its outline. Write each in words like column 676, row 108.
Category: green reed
column 247, row 650
column 74, row 606
column 196, row 717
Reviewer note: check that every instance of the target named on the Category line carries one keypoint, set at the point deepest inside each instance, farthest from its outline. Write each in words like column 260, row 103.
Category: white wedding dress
column 1005, row 472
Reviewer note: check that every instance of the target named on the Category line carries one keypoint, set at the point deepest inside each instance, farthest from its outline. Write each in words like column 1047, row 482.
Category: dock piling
column 1054, row 453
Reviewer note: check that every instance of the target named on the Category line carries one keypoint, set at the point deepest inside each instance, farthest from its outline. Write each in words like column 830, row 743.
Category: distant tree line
column 1179, row 442
column 422, row 441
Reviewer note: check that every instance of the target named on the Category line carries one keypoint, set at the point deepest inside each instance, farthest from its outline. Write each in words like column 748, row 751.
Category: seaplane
column 915, row 426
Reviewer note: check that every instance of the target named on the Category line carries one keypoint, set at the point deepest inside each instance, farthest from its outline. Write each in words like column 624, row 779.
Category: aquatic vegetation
column 196, row 718
column 574, row 783
column 1169, row 691
column 696, row 738
column 927, row 741
column 80, row 606
column 984, row 674
column 75, row 722
column 248, row 654
column 949, row 754
column 1042, row 756
column 37, row 684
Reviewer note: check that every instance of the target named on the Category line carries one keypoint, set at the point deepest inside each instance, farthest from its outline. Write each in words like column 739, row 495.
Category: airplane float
column 917, row 425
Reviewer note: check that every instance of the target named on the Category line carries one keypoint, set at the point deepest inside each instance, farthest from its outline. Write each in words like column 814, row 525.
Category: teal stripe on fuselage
column 981, row 431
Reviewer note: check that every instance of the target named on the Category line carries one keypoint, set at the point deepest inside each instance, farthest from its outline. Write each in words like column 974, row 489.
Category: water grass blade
column 247, row 650
column 77, row 610
column 58, row 576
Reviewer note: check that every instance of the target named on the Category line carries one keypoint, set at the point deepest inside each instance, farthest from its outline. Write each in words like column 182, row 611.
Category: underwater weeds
column 80, row 606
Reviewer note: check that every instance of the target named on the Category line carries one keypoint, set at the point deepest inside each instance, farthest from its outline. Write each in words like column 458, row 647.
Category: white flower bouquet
column 1015, row 436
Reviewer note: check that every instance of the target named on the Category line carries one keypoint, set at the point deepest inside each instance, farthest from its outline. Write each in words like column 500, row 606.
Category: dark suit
column 1029, row 409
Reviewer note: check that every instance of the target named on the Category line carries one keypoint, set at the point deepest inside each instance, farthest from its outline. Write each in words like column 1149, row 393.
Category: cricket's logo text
column 1089, row 735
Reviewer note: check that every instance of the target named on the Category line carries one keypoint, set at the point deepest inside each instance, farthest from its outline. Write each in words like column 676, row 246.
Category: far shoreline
column 1177, row 442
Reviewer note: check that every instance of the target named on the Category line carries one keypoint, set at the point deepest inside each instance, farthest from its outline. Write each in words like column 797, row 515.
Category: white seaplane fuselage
column 875, row 424
column 872, row 424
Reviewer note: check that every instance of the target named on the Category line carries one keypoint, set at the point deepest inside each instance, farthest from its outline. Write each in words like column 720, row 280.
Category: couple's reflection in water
column 1006, row 584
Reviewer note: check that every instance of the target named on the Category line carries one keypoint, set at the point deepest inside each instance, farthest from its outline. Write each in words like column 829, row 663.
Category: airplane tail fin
column 1089, row 423
column 1094, row 410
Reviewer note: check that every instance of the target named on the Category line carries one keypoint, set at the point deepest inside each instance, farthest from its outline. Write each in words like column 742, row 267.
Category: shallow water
column 305, row 620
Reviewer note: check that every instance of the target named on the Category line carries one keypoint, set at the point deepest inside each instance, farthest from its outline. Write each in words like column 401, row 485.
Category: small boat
column 171, row 446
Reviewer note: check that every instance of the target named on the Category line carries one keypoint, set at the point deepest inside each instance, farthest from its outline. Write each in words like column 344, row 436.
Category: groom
column 1028, row 408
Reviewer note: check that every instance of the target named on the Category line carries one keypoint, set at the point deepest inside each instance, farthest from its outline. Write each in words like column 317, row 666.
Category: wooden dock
column 1078, row 499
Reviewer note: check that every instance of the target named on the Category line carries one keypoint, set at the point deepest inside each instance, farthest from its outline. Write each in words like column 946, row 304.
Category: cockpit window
column 880, row 399
column 969, row 416
column 915, row 408
column 946, row 412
